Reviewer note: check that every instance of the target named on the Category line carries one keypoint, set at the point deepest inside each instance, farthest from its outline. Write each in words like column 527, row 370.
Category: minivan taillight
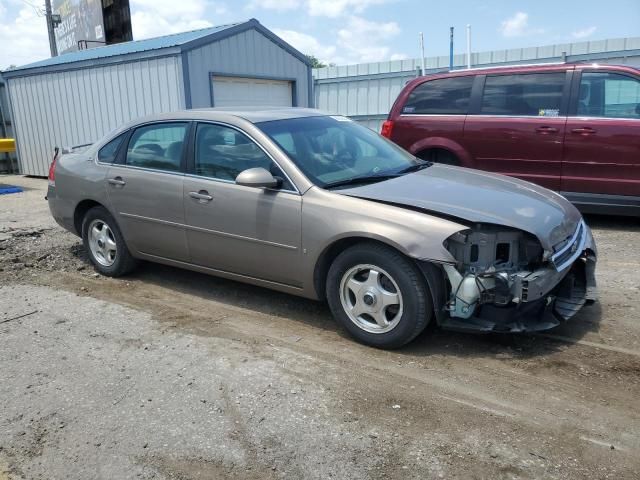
column 387, row 128
column 52, row 168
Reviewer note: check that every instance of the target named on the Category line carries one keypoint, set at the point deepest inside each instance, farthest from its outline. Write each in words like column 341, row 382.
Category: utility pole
column 468, row 45
column 422, row 51
column 52, row 23
column 451, row 48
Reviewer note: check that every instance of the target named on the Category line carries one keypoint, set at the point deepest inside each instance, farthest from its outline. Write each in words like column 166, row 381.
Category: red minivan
column 573, row 128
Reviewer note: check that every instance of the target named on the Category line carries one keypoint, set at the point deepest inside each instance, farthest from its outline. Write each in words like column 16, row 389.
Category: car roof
column 250, row 114
column 530, row 68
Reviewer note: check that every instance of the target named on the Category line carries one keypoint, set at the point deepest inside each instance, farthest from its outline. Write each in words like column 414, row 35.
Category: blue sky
column 352, row 31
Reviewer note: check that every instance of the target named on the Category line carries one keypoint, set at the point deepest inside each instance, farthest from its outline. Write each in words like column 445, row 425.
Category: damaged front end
column 504, row 281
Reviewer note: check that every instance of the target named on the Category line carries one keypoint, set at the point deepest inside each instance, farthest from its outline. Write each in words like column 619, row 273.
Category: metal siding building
column 78, row 97
column 7, row 160
column 366, row 92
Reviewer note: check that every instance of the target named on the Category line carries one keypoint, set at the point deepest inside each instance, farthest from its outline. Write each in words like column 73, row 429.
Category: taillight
column 387, row 128
column 52, row 168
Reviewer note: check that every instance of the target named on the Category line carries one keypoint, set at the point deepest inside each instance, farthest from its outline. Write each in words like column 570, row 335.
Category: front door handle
column 117, row 181
column 201, row 196
column 545, row 130
column 584, row 131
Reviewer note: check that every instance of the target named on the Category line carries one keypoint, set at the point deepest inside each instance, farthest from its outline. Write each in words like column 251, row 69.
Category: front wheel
column 378, row 295
column 105, row 245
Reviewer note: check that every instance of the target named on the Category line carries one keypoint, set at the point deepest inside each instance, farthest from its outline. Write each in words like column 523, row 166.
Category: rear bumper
column 56, row 207
column 575, row 289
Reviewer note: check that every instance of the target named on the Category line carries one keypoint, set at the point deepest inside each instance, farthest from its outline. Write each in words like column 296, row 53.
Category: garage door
column 240, row 91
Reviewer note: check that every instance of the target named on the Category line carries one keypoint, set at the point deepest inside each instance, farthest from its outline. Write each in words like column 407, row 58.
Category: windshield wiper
column 360, row 179
column 418, row 166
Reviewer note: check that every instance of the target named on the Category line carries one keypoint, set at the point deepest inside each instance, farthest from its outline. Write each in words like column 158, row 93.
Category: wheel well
column 330, row 253
column 439, row 155
column 81, row 210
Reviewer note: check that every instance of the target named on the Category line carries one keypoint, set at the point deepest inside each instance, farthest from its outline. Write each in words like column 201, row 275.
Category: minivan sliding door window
column 531, row 95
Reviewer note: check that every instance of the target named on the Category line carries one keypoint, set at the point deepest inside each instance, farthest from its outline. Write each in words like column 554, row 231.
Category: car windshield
column 334, row 151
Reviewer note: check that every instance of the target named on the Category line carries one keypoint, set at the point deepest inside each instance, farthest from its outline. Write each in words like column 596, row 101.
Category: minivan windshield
column 333, row 151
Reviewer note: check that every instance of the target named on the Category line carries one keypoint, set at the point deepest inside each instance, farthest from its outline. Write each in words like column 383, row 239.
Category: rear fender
column 444, row 144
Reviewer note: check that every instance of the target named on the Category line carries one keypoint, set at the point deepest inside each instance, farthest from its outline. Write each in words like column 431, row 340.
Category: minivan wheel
column 439, row 155
column 105, row 245
column 378, row 295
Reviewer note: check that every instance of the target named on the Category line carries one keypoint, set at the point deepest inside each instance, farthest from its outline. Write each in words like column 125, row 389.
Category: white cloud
column 308, row 44
column 584, row 33
column 152, row 18
column 279, row 5
column 518, row 26
column 317, row 8
column 363, row 40
column 23, row 36
column 359, row 40
column 335, row 8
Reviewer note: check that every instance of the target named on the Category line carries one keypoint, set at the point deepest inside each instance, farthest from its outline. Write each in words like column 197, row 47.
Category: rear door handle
column 202, row 196
column 584, row 131
column 545, row 130
column 117, row 181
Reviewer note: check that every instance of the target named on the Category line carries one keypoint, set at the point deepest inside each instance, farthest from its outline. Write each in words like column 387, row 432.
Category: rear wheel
column 104, row 243
column 378, row 295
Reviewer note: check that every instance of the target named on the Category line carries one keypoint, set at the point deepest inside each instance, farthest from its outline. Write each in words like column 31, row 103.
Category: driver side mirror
column 258, row 178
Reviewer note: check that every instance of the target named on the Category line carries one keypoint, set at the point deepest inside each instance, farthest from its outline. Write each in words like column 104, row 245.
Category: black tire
column 417, row 305
column 123, row 262
column 438, row 155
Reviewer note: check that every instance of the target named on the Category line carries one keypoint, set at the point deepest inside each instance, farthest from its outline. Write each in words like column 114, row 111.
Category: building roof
column 182, row 41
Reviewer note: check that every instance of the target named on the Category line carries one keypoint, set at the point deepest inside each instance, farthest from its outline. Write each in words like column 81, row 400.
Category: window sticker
column 408, row 109
column 340, row 118
column 549, row 112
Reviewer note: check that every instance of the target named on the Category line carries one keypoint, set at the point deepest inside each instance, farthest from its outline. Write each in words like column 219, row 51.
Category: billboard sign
column 80, row 21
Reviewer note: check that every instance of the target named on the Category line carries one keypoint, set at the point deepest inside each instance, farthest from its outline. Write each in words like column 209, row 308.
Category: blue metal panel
column 127, row 48
column 246, row 54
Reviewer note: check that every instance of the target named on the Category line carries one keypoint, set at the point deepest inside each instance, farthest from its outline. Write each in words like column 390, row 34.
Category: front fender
column 328, row 218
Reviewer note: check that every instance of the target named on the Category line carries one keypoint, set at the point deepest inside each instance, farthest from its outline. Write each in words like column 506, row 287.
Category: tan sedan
column 319, row 206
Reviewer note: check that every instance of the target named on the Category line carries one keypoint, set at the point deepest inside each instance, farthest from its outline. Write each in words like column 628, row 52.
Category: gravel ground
column 168, row 374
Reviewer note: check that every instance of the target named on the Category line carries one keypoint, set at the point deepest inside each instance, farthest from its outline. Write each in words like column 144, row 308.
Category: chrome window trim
column 433, row 114
column 231, row 182
column 145, row 169
column 234, row 127
column 581, row 229
column 484, row 115
column 590, row 118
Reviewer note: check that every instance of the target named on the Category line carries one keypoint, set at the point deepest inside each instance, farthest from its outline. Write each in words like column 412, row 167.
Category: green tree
column 315, row 63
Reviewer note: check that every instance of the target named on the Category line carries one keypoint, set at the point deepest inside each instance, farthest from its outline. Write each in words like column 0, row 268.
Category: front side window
column 443, row 96
column 157, row 146
column 608, row 95
column 533, row 94
column 223, row 152
column 330, row 150
column 107, row 154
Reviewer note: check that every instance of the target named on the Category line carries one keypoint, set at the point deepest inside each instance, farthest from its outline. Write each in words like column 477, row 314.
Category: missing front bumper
column 574, row 290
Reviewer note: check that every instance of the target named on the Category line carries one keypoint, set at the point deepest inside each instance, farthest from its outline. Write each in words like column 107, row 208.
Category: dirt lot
column 169, row 374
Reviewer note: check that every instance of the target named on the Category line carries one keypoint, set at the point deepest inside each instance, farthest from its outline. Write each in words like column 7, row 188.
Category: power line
column 38, row 10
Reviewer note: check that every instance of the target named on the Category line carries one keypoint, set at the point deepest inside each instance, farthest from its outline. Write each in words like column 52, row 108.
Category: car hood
column 481, row 197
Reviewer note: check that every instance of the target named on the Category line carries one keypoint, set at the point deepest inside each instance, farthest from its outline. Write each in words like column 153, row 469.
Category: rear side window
column 107, row 154
column 609, row 95
column 157, row 146
column 443, row 96
column 535, row 94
